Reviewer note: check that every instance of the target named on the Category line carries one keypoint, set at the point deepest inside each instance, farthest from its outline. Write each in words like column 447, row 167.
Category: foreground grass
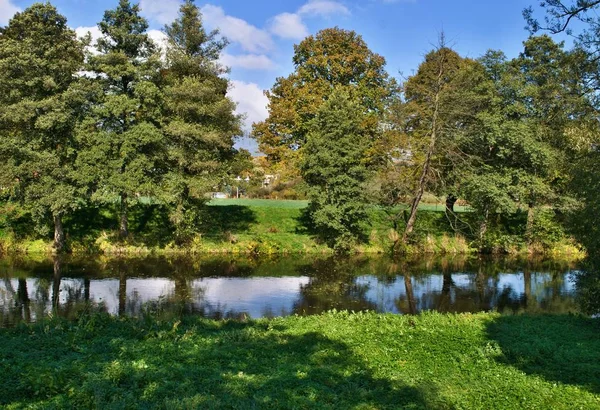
column 335, row 360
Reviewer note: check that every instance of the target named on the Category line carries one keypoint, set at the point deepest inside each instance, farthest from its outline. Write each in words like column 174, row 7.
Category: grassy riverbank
column 274, row 227
column 335, row 360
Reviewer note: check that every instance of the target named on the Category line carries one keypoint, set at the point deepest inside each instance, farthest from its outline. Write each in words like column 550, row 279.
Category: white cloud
column 159, row 38
column 251, row 101
column 7, row 10
column 161, row 11
column 323, row 8
column 288, row 25
column 249, row 37
column 247, row 61
column 93, row 30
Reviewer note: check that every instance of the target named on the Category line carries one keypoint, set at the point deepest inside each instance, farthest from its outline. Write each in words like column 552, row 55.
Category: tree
column 519, row 146
column 553, row 94
column 122, row 146
column 507, row 162
column 335, row 169
column 561, row 14
column 428, row 119
column 39, row 57
column 332, row 58
column 199, row 119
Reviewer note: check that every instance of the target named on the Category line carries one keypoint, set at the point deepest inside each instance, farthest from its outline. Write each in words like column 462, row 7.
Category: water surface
column 226, row 287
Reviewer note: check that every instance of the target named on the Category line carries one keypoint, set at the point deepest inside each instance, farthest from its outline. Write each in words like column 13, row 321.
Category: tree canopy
column 331, row 58
column 39, row 58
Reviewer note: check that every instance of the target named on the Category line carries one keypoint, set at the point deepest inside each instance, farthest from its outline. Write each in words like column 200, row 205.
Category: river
column 240, row 287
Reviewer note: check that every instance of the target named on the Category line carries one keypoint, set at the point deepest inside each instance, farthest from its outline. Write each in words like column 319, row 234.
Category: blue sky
column 263, row 32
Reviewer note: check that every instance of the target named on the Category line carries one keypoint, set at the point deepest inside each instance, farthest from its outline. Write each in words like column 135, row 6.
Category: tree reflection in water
column 332, row 286
column 241, row 287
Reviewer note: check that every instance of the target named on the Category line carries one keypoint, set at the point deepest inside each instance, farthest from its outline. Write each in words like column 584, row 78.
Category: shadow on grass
column 559, row 348
column 325, row 234
column 218, row 220
column 84, row 225
column 150, row 225
column 110, row 363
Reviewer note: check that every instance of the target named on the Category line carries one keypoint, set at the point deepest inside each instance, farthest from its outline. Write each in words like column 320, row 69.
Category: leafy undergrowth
column 335, row 360
column 265, row 227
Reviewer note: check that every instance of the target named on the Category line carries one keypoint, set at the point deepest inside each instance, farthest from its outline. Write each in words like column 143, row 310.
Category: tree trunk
column 484, row 225
column 410, row 295
column 59, row 234
column 124, row 225
column 425, row 172
column 450, row 201
column 530, row 221
column 56, row 283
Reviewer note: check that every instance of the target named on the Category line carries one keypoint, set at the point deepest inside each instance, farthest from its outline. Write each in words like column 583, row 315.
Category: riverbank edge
column 431, row 245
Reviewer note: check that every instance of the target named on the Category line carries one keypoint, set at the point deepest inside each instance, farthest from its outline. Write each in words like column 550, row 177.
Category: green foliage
column 332, row 58
column 335, row 170
column 516, row 147
column 335, row 360
column 586, row 184
column 122, row 147
column 200, row 123
column 39, row 56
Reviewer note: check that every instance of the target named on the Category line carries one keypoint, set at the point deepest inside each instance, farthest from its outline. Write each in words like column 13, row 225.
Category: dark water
column 228, row 287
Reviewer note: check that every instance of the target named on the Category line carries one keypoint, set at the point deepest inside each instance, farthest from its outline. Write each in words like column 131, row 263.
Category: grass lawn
column 289, row 204
column 335, row 360
column 262, row 203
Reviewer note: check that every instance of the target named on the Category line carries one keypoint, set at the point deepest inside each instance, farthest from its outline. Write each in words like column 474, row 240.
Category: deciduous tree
column 332, row 58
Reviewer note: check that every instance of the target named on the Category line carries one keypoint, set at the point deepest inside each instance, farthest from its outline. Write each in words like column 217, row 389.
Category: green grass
column 262, row 203
column 293, row 204
column 335, row 360
column 255, row 226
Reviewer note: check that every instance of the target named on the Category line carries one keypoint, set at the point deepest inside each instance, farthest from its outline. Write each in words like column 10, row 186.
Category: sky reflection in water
column 240, row 287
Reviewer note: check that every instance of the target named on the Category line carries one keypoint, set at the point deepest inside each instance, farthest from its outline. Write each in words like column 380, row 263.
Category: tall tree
column 199, row 119
column 332, row 58
column 553, row 95
column 508, row 164
column 583, row 134
column 428, row 117
column 39, row 57
column 335, row 170
column 122, row 145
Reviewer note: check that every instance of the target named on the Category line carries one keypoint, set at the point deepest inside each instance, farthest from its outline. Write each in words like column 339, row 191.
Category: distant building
column 268, row 180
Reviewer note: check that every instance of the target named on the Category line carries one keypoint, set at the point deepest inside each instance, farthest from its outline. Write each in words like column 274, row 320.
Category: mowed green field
column 330, row 361
column 262, row 203
column 291, row 204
